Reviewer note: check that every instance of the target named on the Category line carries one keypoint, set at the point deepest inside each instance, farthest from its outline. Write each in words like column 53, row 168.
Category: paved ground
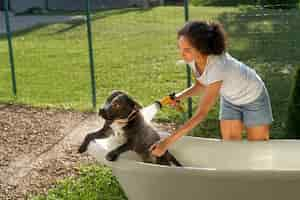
column 18, row 23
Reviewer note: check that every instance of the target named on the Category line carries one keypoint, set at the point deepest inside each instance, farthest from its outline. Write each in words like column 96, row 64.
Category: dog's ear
column 117, row 92
column 137, row 106
column 113, row 94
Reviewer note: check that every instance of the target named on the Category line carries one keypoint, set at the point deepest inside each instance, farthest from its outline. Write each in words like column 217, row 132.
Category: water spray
column 150, row 111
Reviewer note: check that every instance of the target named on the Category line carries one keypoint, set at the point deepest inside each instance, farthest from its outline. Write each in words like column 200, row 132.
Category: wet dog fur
column 123, row 118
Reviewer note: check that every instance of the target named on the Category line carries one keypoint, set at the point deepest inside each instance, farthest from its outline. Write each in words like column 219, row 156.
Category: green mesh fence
column 267, row 39
column 135, row 50
column 5, row 76
column 52, row 67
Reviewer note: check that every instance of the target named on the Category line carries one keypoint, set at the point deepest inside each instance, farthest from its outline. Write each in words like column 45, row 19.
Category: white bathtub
column 214, row 170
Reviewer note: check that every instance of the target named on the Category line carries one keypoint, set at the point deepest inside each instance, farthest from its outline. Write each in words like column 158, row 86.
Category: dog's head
column 119, row 106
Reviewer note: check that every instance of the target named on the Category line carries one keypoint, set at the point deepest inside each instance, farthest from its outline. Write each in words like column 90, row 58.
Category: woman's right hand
column 174, row 99
column 174, row 102
column 177, row 104
column 159, row 148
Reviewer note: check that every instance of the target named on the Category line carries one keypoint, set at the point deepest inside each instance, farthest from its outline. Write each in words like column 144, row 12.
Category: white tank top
column 241, row 84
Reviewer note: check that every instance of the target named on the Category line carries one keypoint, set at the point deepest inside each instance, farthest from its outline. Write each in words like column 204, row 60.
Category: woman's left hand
column 159, row 148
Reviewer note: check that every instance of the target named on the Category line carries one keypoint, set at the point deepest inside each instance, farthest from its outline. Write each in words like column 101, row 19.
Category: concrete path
column 18, row 23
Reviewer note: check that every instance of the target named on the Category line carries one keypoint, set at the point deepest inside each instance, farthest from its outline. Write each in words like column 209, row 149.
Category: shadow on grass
column 74, row 23
column 101, row 14
column 24, row 31
column 95, row 16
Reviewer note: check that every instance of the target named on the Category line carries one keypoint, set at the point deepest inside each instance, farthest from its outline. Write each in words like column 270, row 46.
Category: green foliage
column 265, row 3
column 94, row 183
column 52, row 66
column 280, row 3
column 293, row 122
column 222, row 2
column 33, row 11
column 196, row 2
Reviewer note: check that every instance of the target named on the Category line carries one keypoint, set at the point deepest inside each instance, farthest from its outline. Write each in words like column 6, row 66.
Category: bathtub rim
column 124, row 163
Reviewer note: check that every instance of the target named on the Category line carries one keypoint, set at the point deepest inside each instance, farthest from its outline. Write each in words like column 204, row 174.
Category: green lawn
column 94, row 183
column 136, row 51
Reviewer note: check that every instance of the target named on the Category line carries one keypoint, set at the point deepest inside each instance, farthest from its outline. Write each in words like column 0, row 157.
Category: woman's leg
column 258, row 117
column 260, row 132
column 231, row 129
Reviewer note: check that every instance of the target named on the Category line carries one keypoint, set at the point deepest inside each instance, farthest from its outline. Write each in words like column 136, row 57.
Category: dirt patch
column 26, row 134
column 38, row 147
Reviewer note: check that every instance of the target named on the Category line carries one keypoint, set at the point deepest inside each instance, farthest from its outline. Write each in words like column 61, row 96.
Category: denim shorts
column 258, row 112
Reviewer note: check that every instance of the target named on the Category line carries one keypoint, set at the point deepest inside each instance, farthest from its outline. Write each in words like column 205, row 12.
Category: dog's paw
column 111, row 156
column 82, row 149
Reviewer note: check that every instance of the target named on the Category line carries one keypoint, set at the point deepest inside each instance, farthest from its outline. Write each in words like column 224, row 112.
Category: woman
column 244, row 100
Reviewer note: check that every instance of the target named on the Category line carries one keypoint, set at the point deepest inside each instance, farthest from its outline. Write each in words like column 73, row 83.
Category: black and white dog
column 123, row 118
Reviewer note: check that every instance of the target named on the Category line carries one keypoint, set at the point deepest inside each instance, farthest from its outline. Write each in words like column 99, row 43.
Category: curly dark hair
column 208, row 38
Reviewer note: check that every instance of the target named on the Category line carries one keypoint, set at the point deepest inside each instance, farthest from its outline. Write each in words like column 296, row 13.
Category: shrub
column 293, row 121
column 222, row 2
column 285, row 4
column 265, row 3
column 195, row 2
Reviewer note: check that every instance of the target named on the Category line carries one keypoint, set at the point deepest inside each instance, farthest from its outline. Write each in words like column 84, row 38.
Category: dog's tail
column 172, row 159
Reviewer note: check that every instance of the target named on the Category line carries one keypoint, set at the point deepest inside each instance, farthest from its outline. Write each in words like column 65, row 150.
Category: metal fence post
column 46, row 5
column 188, row 70
column 91, row 57
column 10, row 47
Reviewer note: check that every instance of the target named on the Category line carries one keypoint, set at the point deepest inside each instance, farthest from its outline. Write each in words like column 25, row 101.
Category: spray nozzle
column 170, row 100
